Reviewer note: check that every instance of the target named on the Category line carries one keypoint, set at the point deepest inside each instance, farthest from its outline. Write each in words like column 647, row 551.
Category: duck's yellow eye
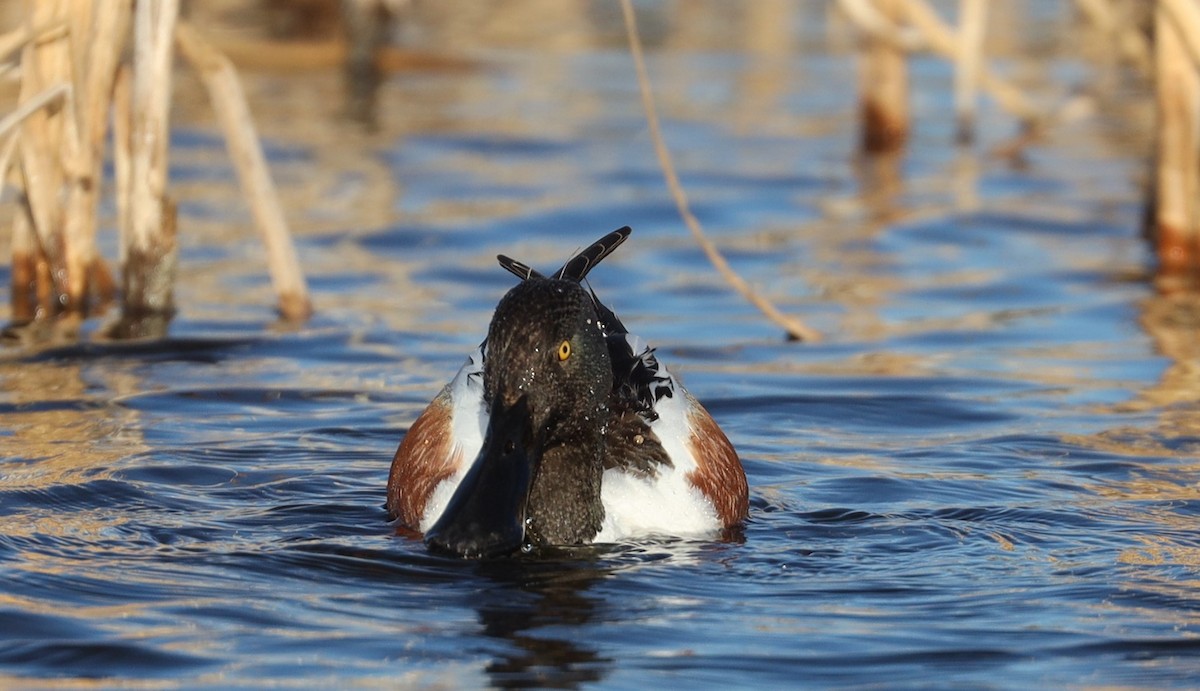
column 564, row 351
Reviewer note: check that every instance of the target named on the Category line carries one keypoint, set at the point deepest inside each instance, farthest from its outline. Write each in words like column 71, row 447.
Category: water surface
column 985, row 475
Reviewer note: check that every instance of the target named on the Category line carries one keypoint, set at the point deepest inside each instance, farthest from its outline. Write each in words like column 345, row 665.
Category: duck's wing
column 638, row 384
column 639, row 380
column 440, row 444
column 659, row 433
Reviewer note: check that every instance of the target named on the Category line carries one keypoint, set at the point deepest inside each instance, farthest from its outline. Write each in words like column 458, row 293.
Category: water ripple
column 983, row 477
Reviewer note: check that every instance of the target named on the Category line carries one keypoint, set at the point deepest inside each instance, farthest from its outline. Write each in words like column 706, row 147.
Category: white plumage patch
column 634, row 507
column 666, row 503
column 468, row 421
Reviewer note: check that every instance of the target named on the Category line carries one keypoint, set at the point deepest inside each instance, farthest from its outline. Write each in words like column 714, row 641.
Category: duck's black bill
column 486, row 516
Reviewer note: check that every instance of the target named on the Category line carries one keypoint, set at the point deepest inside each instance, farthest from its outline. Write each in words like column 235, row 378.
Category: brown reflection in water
column 1172, row 320
column 770, row 30
column 58, row 431
column 1150, row 496
column 54, row 415
column 881, row 185
column 853, row 277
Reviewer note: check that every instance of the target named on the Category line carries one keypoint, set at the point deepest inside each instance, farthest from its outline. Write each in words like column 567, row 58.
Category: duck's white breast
column 668, row 503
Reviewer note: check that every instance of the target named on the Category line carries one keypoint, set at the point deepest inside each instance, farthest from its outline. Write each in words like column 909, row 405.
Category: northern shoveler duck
column 562, row 428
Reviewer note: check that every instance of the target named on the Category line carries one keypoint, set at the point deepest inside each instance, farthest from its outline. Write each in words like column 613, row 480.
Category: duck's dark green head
column 547, row 381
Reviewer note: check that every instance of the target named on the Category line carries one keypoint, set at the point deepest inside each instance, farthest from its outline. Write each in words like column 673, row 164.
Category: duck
column 562, row 429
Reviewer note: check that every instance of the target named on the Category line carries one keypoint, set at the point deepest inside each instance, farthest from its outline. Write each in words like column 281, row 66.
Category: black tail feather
column 578, row 266
column 521, row 270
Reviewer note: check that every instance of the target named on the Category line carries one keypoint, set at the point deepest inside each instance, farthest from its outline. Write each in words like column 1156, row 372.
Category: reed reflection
column 1171, row 318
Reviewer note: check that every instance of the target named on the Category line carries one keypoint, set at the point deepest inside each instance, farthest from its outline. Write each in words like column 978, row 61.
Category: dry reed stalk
column 795, row 329
column 72, row 77
column 23, row 244
column 366, row 27
column 98, row 39
column 241, row 138
column 865, row 14
column 1177, row 178
column 972, row 25
column 885, row 29
column 1185, row 14
column 151, row 251
column 46, row 134
column 16, row 39
column 1130, row 41
column 80, row 16
column 25, row 251
column 6, row 154
column 40, row 170
column 53, row 163
column 10, row 43
column 25, row 259
column 28, row 107
column 941, row 39
column 122, row 136
column 883, row 86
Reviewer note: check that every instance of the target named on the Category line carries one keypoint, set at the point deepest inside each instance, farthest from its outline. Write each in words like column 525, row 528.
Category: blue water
column 984, row 476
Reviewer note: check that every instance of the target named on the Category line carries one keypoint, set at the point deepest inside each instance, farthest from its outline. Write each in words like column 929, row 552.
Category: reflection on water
column 986, row 475
column 531, row 600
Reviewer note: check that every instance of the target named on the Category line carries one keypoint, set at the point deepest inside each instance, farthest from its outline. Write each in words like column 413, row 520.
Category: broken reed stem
column 865, row 14
column 883, row 86
column 25, row 250
column 59, row 192
column 942, row 40
column 939, row 38
column 23, row 244
column 1185, row 15
column 794, row 328
column 16, row 39
column 6, row 154
column 1177, row 178
column 47, row 138
column 25, row 260
column 151, row 249
column 153, row 44
column 72, row 78
column 972, row 25
column 28, row 107
column 98, row 38
column 1132, row 43
column 122, row 135
column 241, row 138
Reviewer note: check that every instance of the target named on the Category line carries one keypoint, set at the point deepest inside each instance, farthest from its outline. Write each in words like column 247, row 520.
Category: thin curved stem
column 794, row 327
